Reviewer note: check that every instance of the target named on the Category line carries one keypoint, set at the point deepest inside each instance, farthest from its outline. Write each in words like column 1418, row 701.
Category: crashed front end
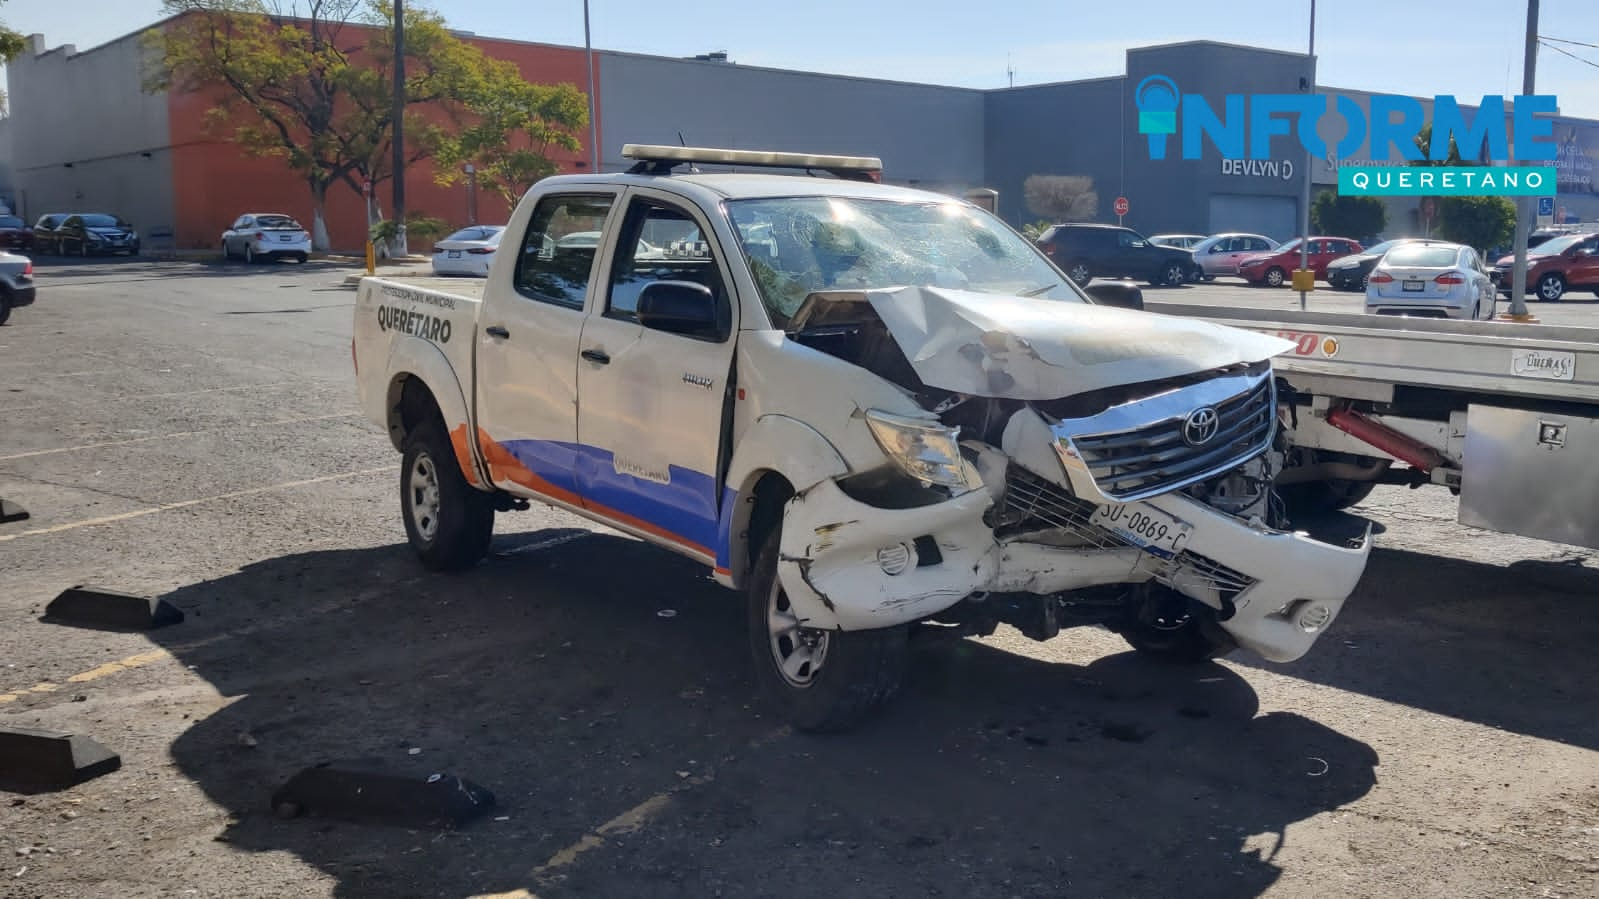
column 1075, row 501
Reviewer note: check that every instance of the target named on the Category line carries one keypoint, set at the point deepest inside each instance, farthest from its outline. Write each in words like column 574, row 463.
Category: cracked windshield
column 800, row 245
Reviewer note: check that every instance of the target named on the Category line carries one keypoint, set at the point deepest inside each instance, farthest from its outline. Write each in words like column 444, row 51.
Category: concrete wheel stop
column 37, row 761
column 10, row 511
column 93, row 607
column 363, row 796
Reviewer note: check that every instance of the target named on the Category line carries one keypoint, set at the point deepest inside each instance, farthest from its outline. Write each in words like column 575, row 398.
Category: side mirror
column 1217, row 248
column 679, row 307
column 1125, row 294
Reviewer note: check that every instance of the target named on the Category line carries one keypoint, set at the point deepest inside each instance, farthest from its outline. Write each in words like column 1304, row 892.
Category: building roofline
column 689, row 60
column 1022, row 87
column 1225, row 44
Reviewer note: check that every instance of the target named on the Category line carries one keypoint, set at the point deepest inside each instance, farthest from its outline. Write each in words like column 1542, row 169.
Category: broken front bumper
column 848, row 565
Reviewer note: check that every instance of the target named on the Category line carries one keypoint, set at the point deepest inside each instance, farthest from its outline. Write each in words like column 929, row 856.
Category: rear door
column 652, row 408
column 528, row 345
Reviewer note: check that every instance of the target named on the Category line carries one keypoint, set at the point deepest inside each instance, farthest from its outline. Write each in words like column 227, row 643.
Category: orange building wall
column 214, row 182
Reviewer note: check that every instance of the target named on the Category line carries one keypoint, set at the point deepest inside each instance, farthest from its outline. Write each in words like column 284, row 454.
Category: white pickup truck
column 864, row 406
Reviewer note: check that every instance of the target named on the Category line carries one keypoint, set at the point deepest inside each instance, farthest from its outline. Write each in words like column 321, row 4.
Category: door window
column 556, row 261
column 660, row 242
column 1126, row 239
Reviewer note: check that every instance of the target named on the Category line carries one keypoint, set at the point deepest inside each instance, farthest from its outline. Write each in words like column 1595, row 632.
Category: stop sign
column 1121, row 206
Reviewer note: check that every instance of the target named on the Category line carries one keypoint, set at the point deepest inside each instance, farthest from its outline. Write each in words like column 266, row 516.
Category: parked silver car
column 1433, row 279
column 16, row 283
column 263, row 236
column 1220, row 254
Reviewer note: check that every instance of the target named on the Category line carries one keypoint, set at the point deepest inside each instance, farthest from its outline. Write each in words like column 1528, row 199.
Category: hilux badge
column 1200, row 426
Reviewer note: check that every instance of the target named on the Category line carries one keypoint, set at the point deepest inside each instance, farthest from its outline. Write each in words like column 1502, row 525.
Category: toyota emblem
column 1199, row 428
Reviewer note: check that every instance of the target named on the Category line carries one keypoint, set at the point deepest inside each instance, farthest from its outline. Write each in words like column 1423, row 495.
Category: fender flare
column 777, row 444
column 412, row 357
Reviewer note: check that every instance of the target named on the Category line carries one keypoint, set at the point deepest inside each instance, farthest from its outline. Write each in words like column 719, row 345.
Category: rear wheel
column 249, row 255
column 1275, row 277
column 821, row 681
column 447, row 521
column 5, row 307
column 301, row 258
column 1171, row 274
column 83, row 249
column 1166, row 625
column 1078, row 272
column 1551, row 287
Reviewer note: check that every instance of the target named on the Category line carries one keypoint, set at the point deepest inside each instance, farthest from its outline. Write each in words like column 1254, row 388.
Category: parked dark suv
column 1085, row 251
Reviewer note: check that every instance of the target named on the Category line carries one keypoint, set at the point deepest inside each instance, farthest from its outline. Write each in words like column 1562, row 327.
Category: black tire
column 83, row 249
column 1170, row 275
column 1078, row 271
column 1320, row 497
column 5, row 308
column 1165, row 625
column 301, row 258
column 1551, row 287
column 1208, row 278
column 859, row 670
column 1274, row 277
column 249, row 255
column 457, row 534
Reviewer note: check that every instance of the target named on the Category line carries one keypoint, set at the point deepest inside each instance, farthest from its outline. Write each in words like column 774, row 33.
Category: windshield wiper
column 1038, row 290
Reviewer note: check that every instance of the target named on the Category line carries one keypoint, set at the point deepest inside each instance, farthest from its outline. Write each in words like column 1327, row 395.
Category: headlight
column 926, row 450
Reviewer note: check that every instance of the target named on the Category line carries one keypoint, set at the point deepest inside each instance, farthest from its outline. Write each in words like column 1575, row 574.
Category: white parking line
column 168, row 507
column 259, row 424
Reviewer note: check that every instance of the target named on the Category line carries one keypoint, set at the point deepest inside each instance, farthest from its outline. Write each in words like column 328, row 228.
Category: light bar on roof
column 765, row 158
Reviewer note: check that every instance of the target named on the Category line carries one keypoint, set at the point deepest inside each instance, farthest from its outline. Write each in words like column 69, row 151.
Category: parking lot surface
column 190, row 431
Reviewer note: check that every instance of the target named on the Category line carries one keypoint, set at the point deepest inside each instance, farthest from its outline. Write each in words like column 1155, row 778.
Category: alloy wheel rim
column 1079, row 273
column 422, row 495
column 1550, row 289
column 798, row 652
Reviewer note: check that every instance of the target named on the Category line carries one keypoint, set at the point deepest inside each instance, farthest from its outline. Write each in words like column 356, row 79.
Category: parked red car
column 1273, row 269
column 15, row 233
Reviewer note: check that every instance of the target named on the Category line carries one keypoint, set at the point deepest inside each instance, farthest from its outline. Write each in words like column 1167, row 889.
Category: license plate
column 1415, row 285
column 455, row 254
column 1144, row 526
column 286, row 238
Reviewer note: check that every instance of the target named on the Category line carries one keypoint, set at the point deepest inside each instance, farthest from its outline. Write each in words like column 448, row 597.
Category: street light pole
column 1304, row 196
column 594, row 123
column 1524, row 208
column 399, row 248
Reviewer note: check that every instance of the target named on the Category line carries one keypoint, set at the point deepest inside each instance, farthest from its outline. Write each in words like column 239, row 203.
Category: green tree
column 1061, row 198
column 12, row 44
column 1356, row 218
column 311, row 84
column 512, row 127
column 1479, row 222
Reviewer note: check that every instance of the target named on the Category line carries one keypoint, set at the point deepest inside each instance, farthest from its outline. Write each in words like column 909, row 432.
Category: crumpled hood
column 1018, row 348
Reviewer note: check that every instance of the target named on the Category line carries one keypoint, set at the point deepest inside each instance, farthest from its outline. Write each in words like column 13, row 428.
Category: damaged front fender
column 837, row 554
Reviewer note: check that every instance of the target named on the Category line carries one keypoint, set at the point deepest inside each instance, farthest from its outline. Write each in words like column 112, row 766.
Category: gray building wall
column 85, row 137
column 927, row 135
column 1054, row 129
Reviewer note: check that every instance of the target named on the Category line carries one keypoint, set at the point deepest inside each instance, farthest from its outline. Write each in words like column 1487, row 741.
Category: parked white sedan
column 1433, row 279
column 261, row 236
column 468, row 251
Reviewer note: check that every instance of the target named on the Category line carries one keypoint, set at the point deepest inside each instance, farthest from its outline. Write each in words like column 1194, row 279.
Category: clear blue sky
column 1463, row 47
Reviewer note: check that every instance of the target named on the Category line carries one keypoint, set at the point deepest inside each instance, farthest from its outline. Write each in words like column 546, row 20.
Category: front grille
column 1034, row 502
column 1155, row 458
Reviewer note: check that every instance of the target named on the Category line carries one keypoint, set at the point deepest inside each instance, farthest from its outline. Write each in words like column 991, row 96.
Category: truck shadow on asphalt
column 1509, row 647
column 549, row 675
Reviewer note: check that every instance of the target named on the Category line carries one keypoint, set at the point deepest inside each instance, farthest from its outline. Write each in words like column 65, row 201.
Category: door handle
column 497, row 331
column 598, row 356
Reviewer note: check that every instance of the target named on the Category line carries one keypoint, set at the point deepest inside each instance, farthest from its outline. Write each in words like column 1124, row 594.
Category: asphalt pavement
column 189, row 431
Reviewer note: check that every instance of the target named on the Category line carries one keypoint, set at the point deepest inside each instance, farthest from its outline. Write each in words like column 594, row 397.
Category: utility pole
column 594, row 122
column 399, row 249
column 1524, row 208
column 1310, row 162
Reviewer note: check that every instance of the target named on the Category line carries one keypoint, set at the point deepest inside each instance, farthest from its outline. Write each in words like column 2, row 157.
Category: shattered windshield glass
column 799, row 245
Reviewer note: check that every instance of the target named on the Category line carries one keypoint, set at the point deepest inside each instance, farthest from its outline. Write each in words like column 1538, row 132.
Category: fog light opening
column 1313, row 616
column 896, row 559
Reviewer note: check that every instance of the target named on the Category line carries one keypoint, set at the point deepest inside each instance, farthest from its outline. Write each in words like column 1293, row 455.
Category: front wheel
column 1166, row 625
column 1551, row 288
column 821, row 681
column 83, row 249
column 447, row 521
column 1275, row 277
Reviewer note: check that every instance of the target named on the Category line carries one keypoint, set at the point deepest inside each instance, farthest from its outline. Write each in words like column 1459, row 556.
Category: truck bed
column 1540, row 362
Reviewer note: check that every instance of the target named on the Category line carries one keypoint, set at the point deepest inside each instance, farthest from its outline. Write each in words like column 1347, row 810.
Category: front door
column 652, row 404
column 528, row 345
column 1584, row 269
